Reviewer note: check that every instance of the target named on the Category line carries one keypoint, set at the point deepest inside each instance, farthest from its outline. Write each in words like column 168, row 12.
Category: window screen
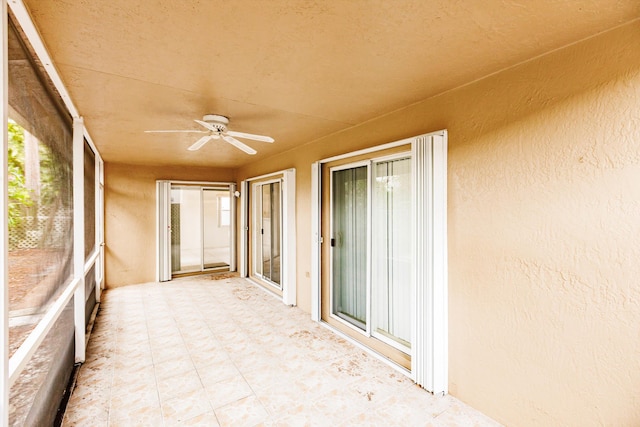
column 40, row 228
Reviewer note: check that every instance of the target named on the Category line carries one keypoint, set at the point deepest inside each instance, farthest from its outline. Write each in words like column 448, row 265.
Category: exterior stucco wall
column 130, row 217
column 544, row 231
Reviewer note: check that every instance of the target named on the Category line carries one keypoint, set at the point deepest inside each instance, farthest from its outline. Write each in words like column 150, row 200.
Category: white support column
column 4, row 240
column 99, row 216
column 101, row 246
column 315, row 241
column 429, row 350
column 98, row 271
column 289, row 237
column 79, row 297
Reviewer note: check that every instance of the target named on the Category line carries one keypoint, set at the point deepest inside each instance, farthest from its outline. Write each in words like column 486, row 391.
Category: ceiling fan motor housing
column 219, row 122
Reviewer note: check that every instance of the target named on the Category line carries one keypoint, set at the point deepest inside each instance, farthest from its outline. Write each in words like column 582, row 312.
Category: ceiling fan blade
column 207, row 125
column 199, row 143
column 231, row 140
column 250, row 136
column 176, row 131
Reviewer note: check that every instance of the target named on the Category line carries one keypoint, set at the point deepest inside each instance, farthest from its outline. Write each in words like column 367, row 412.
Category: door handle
column 333, row 242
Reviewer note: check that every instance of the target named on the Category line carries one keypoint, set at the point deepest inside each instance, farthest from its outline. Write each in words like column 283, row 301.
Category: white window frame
column 429, row 343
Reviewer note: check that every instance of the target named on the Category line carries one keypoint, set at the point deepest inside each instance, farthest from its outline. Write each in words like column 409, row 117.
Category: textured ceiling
column 294, row 70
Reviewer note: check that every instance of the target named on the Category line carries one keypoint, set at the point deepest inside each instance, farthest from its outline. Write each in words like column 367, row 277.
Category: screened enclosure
column 52, row 282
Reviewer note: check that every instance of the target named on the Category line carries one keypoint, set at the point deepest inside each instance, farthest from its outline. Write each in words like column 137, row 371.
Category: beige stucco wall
column 544, row 231
column 130, row 217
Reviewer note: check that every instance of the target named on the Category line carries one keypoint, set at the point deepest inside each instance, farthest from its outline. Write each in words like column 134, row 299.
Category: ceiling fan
column 216, row 126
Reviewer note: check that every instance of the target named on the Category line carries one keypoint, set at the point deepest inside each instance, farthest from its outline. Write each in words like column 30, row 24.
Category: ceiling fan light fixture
column 216, row 118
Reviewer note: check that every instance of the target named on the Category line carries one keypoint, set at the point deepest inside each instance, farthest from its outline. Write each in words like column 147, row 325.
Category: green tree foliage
column 19, row 195
column 49, row 175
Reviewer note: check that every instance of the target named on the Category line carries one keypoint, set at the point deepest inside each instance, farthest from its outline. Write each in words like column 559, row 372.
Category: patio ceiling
column 295, row 70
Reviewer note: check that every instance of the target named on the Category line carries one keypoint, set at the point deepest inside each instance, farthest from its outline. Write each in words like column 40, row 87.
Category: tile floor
column 199, row 351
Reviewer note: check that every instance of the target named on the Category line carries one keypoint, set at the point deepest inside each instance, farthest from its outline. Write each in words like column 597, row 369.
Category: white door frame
column 429, row 351
column 163, row 224
column 288, row 229
column 257, row 249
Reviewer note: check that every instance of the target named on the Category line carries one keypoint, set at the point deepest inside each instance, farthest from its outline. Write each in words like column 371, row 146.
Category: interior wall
column 544, row 231
column 130, row 217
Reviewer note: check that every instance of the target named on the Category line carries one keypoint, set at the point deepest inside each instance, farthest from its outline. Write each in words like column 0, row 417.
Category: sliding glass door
column 216, row 222
column 371, row 248
column 185, row 230
column 268, row 232
column 349, row 244
column 200, row 228
column 391, row 251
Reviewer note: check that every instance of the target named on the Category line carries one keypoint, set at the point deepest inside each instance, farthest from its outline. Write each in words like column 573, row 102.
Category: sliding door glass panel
column 216, row 208
column 274, row 232
column 175, row 230
column 266, row 231
column 186, row 235
column 391, row 250
column 257, row 259
column 349, row 244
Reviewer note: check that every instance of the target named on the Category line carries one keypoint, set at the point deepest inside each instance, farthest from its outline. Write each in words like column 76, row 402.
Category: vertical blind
column 349, row 225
